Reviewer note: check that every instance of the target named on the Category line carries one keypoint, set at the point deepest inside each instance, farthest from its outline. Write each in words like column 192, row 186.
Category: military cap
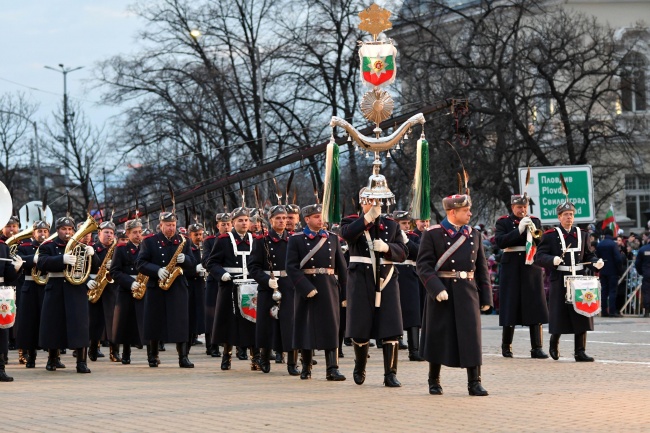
column 521, row 199
column 239, row 212
column 107, row 225
column 401, row 215
column 456, row 201
column 167, row 217
column 277, row 210
column 40, row 225
column 65, row 221
column 564, row 207
column 132, row 224
column 196, row 227
column 293, row 209
column 310, row 210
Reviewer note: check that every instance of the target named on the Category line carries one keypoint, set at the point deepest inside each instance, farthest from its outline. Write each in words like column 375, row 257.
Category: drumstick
column 6, row 260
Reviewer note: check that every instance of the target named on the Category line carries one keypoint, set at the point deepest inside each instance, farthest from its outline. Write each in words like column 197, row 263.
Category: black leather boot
column 580, row 344
column 255, row 359
column 279, row 357
column 506, row 341
column 3, row 373
column 306, row 358
column 292, row 360
column 59, row 364
column 31, row 359
column 52, row 354
column 21, row 357
column 360, row 362
column 126, row 354
column 227, row 357
column 391, row 350
column 434, row 379
column 82, row 358
column 241, row 353
column 115, row 353
column 183, row 360
column 474, row 382
column 161, row 346
column 332, row 365
column 208, row 345
column 536, row 342
column 378, row 341
column 265, row 360
column 402, row 346
column 215, row 351
column 152, row 353
column 413, row 339
column 93, row 350
column 554, row 346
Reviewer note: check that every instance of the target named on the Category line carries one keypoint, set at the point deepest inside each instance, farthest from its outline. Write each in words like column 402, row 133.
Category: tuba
column 103, row 277
column 78, row 273
column 36, row 273
column 141, row 279
column 14, row 240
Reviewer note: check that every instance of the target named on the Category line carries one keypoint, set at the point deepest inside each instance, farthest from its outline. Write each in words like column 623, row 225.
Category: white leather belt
column 234, row 270
column 29, row 278
column 2, row 279
column 405, row 262
column 55, row 274
column 133, row 276
column 514, row 249
column 463, row 275
column 277, row 273
column 578, row 267
column 368, row 260
column 319, row 271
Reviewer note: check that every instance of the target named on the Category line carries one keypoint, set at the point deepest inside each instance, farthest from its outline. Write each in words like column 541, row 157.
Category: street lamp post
column 38, row 152
column 66, row 130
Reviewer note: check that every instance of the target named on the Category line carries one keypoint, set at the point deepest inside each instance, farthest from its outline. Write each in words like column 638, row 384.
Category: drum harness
column 243, row 271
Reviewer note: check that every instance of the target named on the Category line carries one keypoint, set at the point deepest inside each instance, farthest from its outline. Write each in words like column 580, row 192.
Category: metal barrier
column 633, row 305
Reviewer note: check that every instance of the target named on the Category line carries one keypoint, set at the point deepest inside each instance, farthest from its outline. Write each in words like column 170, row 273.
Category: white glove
column 485, row 307
column 92, row 284
column 405, row 238
column 89, row 251
column 200, row 269
column 379, row 245
column 180, row 258
column 372, row 214
column 344, row 304
column 273, row 283
column 135, row 286
column 69, row 259
column 442, row 296
column 35, row 258
column 109, row 263
column 525, row 221
column 312, row 293
column 557, row 260
column 163, row 274
column 599, row 264
column 226, row 277
column 18, row 262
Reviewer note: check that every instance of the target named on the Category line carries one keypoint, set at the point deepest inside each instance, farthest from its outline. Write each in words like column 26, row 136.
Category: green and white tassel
column 331, row 202
column 420, row 207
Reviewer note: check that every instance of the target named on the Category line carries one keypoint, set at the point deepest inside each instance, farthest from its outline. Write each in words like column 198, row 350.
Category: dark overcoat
column 196, row 305
column 102, row 311
column 230, row 327
column 128, row 320
column 64, row 317
column 270, row 332
column 30, row 302
column 7, row 273
column 522, row 300
column 642, row 266
column 451, row 329
column 211, row 285
column 165, row 311
column 363, row 319
column 562, row 317
column 317, row 318
column 409, row 284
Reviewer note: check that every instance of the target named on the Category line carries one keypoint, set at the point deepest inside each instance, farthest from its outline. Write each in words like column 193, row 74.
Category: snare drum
column 247, row 298
column 584, row 293
column 7, row 306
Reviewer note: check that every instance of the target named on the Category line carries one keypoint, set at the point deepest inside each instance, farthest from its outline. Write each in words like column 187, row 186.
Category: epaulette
column 354, row 215
column 411, row 232
column 26, row 243
column 389, row 218
column 209, row 237
column 503, row 217
column 258, row 236
column 549, row 231
column 121, row 244
column 437, row 226
column 225, row 235
column 533, row 216
column 149, row 236
column 297, row 234
column 48, row 241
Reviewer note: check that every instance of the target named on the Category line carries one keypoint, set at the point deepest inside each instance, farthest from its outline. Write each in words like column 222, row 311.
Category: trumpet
column 532, row 228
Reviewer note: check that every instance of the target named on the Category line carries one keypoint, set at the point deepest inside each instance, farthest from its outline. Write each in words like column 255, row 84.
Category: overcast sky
column 35, row 33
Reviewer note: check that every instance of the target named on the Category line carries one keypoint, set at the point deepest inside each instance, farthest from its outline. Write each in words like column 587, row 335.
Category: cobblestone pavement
column 611, row 394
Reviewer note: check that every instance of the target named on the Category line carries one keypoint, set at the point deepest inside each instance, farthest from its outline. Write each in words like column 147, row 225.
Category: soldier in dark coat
column 196, row 281
column 642, row 266
column 522, row 298
column 609, row 274
column 555, row 254
column 228, row 262
column 128, row 320
column 409, row 286
column 10, row 229
column 314, row 259
column 452, row 266
column 166, row 311
column 268, row 268
column 64, row 317
column 102, row 311
column 224, row 226
column 373, row 298
column 31, row 300
column 8, row 272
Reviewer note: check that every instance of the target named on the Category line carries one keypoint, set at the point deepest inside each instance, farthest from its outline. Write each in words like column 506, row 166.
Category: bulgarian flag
column 610, row 221
column 378, row 63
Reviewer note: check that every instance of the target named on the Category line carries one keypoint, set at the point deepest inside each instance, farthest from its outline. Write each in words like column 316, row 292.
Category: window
column 637, row 198
column 633, row 83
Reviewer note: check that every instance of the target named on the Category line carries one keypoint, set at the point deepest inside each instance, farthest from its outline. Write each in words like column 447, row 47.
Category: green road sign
column 546, row 192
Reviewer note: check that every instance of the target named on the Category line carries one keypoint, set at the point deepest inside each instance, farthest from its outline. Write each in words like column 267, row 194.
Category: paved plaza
column 610, row 395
